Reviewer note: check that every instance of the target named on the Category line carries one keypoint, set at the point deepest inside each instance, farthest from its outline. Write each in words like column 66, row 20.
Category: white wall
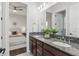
column 41, row 20
column 61, row 5
column 71, row 15
column 74, row 20
column 37, row 19
column 19, row 19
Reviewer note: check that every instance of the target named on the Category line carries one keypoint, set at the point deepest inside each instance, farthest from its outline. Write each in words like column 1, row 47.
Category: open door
column 2, row 50
column 0, row 28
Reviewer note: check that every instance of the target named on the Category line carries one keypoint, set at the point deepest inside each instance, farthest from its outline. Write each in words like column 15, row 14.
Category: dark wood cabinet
column 17, row 51
column 54, row 51
column 33, row 46
column 39, row 48
column 47, row 53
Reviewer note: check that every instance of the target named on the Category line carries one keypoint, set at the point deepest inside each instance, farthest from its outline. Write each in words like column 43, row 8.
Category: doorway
column 17, row 28
column 49, row 19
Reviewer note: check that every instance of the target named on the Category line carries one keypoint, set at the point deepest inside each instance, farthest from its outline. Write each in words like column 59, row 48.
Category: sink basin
column 37, row 35
column 61, row 44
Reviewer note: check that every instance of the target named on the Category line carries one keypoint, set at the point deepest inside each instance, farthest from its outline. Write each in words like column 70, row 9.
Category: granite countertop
column 73, row 50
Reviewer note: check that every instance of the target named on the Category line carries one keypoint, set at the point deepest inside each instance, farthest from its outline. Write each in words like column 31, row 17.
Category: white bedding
column 17, row 41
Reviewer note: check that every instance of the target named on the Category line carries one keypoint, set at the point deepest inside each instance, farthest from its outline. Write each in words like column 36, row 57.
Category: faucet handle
column 62, row 37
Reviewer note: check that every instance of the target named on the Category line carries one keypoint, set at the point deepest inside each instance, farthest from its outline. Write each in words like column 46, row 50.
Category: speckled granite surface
column 73, row 50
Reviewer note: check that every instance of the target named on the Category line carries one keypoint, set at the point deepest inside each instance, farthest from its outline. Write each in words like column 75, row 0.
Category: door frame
column 63, row 9
column 5, row 27
column 0, row 25
column 5, row 16
column 5, row 23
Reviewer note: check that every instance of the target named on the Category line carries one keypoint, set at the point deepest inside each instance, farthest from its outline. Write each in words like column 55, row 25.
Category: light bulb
column 14, row 11
column 46, row 23
column 44, row 4
column 41, row 6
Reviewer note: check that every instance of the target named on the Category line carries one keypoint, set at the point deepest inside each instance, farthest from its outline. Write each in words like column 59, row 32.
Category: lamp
column 14, row 11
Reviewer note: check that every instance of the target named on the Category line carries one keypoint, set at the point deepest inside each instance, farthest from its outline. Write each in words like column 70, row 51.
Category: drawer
column 17, row 51
column 54, row 51
column 34, row 52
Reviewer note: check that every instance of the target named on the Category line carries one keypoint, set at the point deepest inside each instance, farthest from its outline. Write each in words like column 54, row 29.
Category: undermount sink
column 37, row 35
column 61, row 44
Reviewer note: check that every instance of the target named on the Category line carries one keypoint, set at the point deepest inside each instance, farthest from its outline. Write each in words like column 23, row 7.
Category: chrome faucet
column 63, row 38
column 70, row 38
column 69, row 41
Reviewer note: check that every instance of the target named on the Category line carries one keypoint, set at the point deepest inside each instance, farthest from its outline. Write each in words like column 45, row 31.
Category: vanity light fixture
column 42, row 6
column 46, row 5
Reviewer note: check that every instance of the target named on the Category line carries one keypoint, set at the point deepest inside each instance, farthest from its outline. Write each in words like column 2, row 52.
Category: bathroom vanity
column 40, row 46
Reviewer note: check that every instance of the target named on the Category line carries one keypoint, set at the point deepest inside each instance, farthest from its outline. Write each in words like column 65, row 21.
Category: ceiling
column 38, row 3
column 18, row 5
column 22, row 6
column 61, row 5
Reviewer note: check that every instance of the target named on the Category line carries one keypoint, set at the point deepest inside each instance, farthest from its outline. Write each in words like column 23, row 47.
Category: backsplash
column 72, row 39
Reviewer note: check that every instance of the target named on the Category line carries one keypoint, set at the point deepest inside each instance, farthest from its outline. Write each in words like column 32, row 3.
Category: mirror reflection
column 65, row 17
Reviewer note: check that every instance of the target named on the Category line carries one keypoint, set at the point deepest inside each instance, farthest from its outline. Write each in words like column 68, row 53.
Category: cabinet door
column 34, row 47
column 30, row 45
column 48, row 50
column 53, row 51
column 46, row 53
column 39, row 48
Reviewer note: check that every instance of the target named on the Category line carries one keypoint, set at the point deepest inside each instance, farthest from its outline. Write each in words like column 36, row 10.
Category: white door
column 0, row 28
column 2, row 50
